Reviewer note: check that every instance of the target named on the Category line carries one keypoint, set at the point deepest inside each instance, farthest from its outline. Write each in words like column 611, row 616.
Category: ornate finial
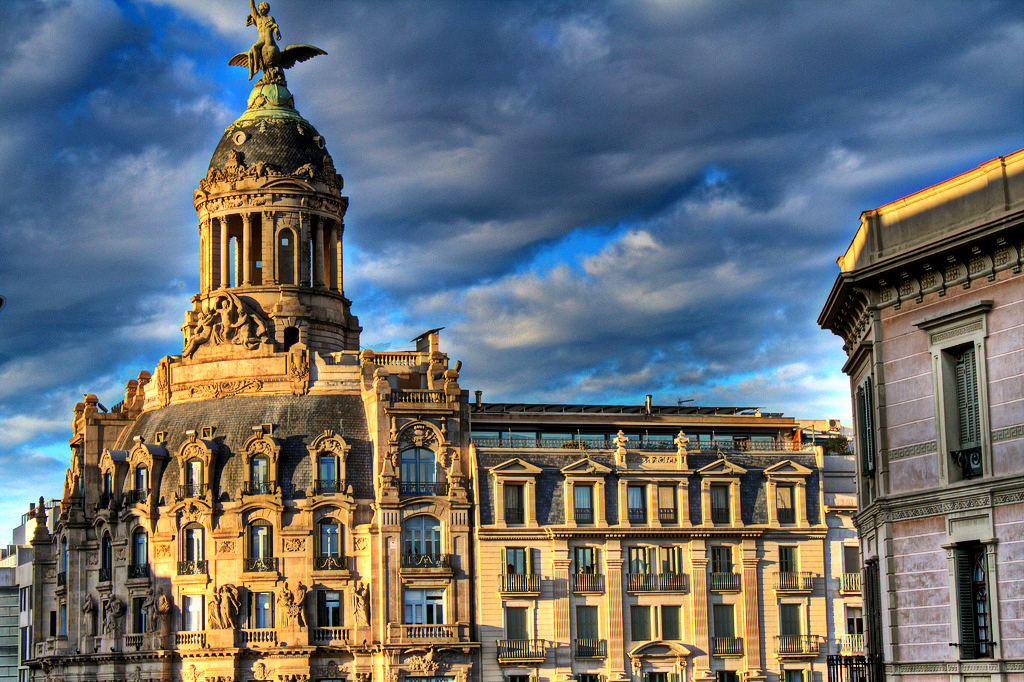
column 265, row 55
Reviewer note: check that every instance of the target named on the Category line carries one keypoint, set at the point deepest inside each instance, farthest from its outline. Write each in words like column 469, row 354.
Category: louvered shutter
column 869, row 424
column 529, row 561
column 967, row 398
column 965, row 604
column 504, row 561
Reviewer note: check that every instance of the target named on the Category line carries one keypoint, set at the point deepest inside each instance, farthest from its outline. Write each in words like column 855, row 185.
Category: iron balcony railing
column 327, row 486
column 598, row 443
column 851, row 582
column 136, row 496
column 796, row 645
column 62, row 579
column 969, row 461
column 720, row 515
column 584, row 515
column 588, row 582
column 520, row 583
column 589, row 648
column 421, row 488
column 657, row 582
column 514, row 515
column 138, row 571
column 413, row 632
column 520, row 649
column 192, row 567
column 637, row 514
column 329, row 563
column 851, row 644
column 667, row 514
column 259, row 564
column 105, row 574
column 417, row 560
column 725, row 582
column 727, row 646
column 787, row 515
column 856, row 669
column 794, row 580
column 258, row 488
column 192, row 490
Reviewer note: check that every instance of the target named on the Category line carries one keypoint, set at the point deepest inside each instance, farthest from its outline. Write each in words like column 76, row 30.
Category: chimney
column 647, row 403
column 479, row 397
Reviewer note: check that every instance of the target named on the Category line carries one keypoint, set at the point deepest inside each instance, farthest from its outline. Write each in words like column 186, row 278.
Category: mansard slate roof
column 284, row 144
column 551, row 503
column 296, row 421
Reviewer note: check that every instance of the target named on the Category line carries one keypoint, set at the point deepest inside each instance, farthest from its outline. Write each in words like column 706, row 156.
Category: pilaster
column 246, row 269
column 563, row 634
column 614, row 612
column 701, row 631
column 751, row 612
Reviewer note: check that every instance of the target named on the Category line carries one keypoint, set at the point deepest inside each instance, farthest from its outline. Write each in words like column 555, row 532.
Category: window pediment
column 722, row 468
column 111, row 458
column 586, row 467
column 146, row 453
column 262, row 444
column 197, row 448
column 515, row 467
column 787, row 469
column 419, row 435
column 659, row 649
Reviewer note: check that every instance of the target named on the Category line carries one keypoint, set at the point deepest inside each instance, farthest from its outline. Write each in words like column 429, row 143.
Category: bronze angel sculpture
column 265, row 55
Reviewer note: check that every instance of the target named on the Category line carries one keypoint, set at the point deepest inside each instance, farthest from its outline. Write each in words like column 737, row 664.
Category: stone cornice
column 983, row 494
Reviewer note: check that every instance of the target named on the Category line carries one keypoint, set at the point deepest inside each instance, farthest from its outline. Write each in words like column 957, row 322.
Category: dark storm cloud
column 598, row 199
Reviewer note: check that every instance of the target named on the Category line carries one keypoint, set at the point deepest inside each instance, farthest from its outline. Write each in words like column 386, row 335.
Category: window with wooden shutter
column 967, row 398
column 972, row 601
column 866, row 427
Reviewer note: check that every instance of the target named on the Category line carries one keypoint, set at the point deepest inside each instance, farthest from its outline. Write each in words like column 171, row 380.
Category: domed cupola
column 270, row 223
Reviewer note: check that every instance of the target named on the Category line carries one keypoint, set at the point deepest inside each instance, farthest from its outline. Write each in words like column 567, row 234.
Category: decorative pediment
column 111, row 458
column 722, row 467
column 195, row 447
column 787, row 469
column 328, row 441
column 192, row 511
column 145, row 453
column 586, row 467
column 515, row 467
column 419, row 434
column 659, row 650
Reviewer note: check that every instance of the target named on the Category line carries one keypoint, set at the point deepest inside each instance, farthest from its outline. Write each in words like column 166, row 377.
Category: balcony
column 409, row 633
column 331, row 636
column 105, row 574
column 720, row 515
column 851, row 582
column 133, row 641
column 787, row 515
column 796, row 646
column 136, row 496
column 417, row 560
column 259, row 488
column 849, row 645
column 520, row 583
column 514, row 515
column 104, row 500
column 328, row 486
column 259, row 564
column 190, row 640
column 725, row 582
column 62, row 579
column 520, row 650
column 589, row 648
column 587, row 582
column 192, row 490
column 968, row 461
column 657, row 582
column 259, row 637
column 637, row 515
column 330, row 563
column 583, row 515
column 418, row 488
column 192, row 567
column 138, row 571
column 667, row 515
column 793, row 581
column 727, row 646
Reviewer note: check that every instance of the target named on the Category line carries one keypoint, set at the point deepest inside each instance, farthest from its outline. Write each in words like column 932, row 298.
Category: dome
column 271, row 132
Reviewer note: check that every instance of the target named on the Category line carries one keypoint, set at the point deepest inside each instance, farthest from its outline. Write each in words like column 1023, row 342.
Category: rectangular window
column 667, row 504
column 587, row 677
column 636, row 501
column 658, row 677
column 787, row 560
column 721, row 559
column 638, row 560
column 138, row 615
column 586, row 622
column 866, row 427
column 794, row 676
column 514, row 510
column 723, row 616
column 261, row 609
column 53, row 623
column 640, row 623
column 328, row 608
column 192, row 612
column 515, row 622
column 424, row 607
column 670, row 622
column 851, row 559
column 720, row 512
column 671, row 560
column 784, row 504
column 586, row 560
column 972, row 601
column 63, row 620
column 854, row 620
column 726, row 676
column 789, row 620
column 583, row 500
column 516, row 560
column 965, row 439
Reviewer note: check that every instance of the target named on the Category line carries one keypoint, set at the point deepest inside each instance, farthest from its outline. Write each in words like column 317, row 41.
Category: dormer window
column 327, row 476
column 259, row 474
column 195, row 484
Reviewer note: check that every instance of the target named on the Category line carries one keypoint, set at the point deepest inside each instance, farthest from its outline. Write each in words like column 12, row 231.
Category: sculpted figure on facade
column 227, row 320
column 114, row 624
column 223, row 607
column 163, row 611
column 89, row 613
column 361, row 604
column 293, row 600
column 265, row 55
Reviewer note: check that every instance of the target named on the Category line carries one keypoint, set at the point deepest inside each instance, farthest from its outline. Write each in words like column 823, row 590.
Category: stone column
column 615, row 613
column 269, row 240
column 223, row 226
column 751, row 612
column 316, row 224
column 335, row 249
column 246, row 249
column 701, row 629
column 563, row 631
column 302, row 250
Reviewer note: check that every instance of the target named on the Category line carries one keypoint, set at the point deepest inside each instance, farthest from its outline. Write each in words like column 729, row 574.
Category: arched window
column 329, row 546
column 329, row 474
column 260, row 551
column 259, row 476
column 193, row 551
column 291, row 337
column 108, row 484
column 418, row 470
column 64, row 556
column 195, row 484
column 421, row 542
column 106, row 558
column 286, row 257
column 139, row 566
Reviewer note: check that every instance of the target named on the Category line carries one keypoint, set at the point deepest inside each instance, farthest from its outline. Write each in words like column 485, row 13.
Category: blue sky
column 598, row 200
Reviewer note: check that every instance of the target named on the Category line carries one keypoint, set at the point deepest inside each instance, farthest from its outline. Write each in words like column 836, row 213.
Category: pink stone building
column 930, row 305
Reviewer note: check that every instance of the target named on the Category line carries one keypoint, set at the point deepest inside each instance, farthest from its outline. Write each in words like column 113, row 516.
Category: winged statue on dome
column 265, row 55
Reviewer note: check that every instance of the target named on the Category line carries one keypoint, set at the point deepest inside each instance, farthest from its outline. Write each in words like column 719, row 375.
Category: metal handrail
column 794, row 580
column 192, row 490
column 588, row 582
column 192, row 567
column 796, row 644
column 589, row 648
column 727, row 646
column 514, row 515
column 657, row 582
column 851, row 582
column 326, row 562
column 667, row 514
column 520, row 583
column 520, row 649
column 259, row 564
column 725, row 582
column 420, row 488
column 583, row 514
column 259, row 488
column 138, row 571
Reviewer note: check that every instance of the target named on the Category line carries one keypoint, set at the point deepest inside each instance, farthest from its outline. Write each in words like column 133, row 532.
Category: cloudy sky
column 598, row 200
